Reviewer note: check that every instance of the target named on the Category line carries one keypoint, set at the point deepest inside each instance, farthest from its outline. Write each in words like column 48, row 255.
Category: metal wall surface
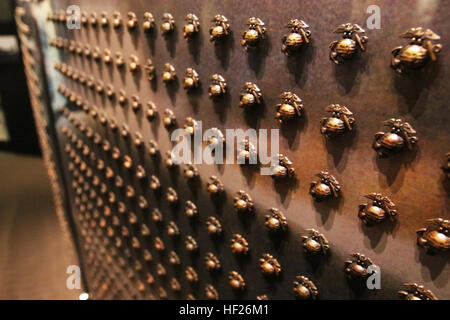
column 367, row 85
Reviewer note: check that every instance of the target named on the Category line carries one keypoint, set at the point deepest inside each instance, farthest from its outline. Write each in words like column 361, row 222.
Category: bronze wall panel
column 414, row 181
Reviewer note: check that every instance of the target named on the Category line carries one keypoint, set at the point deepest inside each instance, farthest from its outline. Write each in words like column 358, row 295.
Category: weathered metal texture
column 366, row 85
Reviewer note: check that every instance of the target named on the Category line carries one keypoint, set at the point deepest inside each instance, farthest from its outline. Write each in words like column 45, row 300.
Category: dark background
column 15, row 102
column 34, row 251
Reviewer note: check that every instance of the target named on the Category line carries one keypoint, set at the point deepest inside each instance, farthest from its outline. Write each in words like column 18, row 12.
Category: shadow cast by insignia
column 158, row 195
column 172, row 88
column 195, row 45
column 446, row 186
column 137, row 76
column 376, row 233
column 290, row 129
column 285, row 188
column 156, row 161
column 223, row 49
column 194, row 224
column 153, row 83
column 107, row 32
column 254, row 114
column 119, row 32
column 434, row 264
column 171, row 42
column 327, row 208
column 111, row 73
column 221, row 106
column 174, row 173
column 194, row 186
column 280, row 239
column 218, row 241
column 392, row 166
column 338, row 146
column 250, row 172
column 135, row 35
column 244, row 260
column 318, row 262
column 273, row 281
column 151, row 36
column 219, row 201
column 346, row 73
column 296, row 63
column 194, row 97
column 414, row 85
column 359, row 288
column 256, row 58
column 122, row 74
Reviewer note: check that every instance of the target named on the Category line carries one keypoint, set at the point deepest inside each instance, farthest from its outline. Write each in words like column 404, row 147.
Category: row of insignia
column 412, row 56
